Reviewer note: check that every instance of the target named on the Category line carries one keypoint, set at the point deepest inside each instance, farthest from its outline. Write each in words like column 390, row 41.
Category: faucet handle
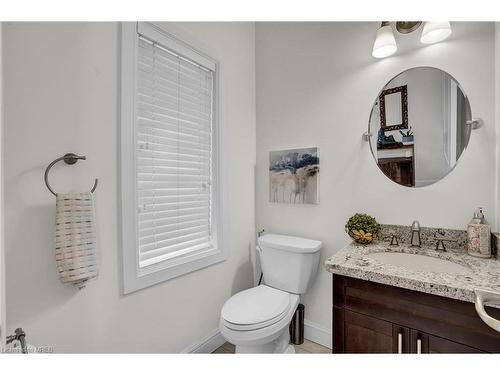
column 440, row 231
column 440, row 241
column 393, row 238
column 440, row 245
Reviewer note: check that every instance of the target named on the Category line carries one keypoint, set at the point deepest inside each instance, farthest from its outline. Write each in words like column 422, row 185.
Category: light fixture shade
column 434, row 32
column 385, row 43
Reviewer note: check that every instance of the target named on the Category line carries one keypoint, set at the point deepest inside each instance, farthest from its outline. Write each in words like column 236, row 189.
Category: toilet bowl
column 257, row 320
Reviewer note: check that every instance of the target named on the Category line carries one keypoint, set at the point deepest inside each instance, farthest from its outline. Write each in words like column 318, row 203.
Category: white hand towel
column 75, row 238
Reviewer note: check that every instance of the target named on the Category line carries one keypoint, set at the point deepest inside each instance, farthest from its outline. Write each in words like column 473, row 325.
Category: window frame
column 135, row 278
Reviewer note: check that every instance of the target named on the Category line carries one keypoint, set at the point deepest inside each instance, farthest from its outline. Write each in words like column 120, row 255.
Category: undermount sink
column 419, row 262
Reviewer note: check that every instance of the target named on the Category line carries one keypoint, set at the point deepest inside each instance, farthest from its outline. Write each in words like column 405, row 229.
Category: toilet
column 257, row 320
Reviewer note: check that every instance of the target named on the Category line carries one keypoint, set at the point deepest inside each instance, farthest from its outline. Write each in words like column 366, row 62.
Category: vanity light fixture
column 385, row 43
column 434, row 32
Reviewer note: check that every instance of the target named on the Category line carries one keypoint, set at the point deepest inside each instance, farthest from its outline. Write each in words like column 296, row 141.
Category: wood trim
column 338, row 315
column 338, row 330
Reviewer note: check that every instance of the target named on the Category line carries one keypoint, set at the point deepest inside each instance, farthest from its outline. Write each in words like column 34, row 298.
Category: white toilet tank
column 289, row 263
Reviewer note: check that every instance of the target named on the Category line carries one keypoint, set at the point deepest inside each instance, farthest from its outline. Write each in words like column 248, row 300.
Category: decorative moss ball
column 362, row 228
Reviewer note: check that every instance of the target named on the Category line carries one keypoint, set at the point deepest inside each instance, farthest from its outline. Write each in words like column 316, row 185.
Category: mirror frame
column 404, row 108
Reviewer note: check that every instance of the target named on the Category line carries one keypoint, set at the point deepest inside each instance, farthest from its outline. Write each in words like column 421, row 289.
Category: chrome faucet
column 415, row 229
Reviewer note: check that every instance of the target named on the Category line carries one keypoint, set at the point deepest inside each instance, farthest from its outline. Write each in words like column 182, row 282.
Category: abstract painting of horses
column 294, row 176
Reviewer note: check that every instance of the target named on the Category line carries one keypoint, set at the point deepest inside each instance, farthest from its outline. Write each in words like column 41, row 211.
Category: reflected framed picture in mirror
column 394, row 108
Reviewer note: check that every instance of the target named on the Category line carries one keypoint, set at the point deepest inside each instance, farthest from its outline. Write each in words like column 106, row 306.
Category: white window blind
column 173, row 128
column 170, row 159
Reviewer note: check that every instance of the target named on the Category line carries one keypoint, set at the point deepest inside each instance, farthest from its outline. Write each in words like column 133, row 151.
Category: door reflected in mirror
column 419, row 126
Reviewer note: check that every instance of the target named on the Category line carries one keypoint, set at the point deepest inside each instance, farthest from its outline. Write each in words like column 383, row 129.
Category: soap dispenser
column 479, row 236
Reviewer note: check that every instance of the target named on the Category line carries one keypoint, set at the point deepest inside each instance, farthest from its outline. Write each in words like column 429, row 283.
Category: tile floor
column 308, row 347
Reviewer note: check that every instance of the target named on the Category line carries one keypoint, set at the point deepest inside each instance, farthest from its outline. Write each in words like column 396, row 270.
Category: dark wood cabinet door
column 424, row 343
column 374, row 318
column 400, row 170
column 365, row 334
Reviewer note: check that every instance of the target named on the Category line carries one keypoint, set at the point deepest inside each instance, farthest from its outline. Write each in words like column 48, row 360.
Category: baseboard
column 312, row 332
column 207, row 344
column 317, row 333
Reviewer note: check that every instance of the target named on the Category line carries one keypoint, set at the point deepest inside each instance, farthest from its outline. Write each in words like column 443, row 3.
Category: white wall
column 62, row 88
column 316, row 84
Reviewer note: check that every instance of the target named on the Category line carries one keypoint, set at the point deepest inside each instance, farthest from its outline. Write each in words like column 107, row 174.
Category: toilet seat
column 255, row 308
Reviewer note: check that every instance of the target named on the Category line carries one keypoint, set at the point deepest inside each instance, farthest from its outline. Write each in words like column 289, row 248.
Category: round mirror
column 419, row 126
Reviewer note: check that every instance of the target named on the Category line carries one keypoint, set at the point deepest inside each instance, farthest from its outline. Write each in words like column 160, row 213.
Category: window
column 169, row 158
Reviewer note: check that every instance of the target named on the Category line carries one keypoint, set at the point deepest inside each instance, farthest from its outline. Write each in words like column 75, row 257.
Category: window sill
column 162, row 272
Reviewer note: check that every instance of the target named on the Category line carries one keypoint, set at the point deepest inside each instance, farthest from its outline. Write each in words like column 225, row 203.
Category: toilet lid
column 257, row 307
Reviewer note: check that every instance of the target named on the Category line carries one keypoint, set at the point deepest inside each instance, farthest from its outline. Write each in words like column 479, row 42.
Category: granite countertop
column 351, row 261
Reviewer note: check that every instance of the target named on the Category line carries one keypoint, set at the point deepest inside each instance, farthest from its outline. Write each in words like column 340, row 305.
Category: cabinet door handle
column 419, row 346
column 400, row 343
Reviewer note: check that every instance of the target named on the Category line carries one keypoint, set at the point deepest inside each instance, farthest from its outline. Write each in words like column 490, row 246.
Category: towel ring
column 69, row 159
